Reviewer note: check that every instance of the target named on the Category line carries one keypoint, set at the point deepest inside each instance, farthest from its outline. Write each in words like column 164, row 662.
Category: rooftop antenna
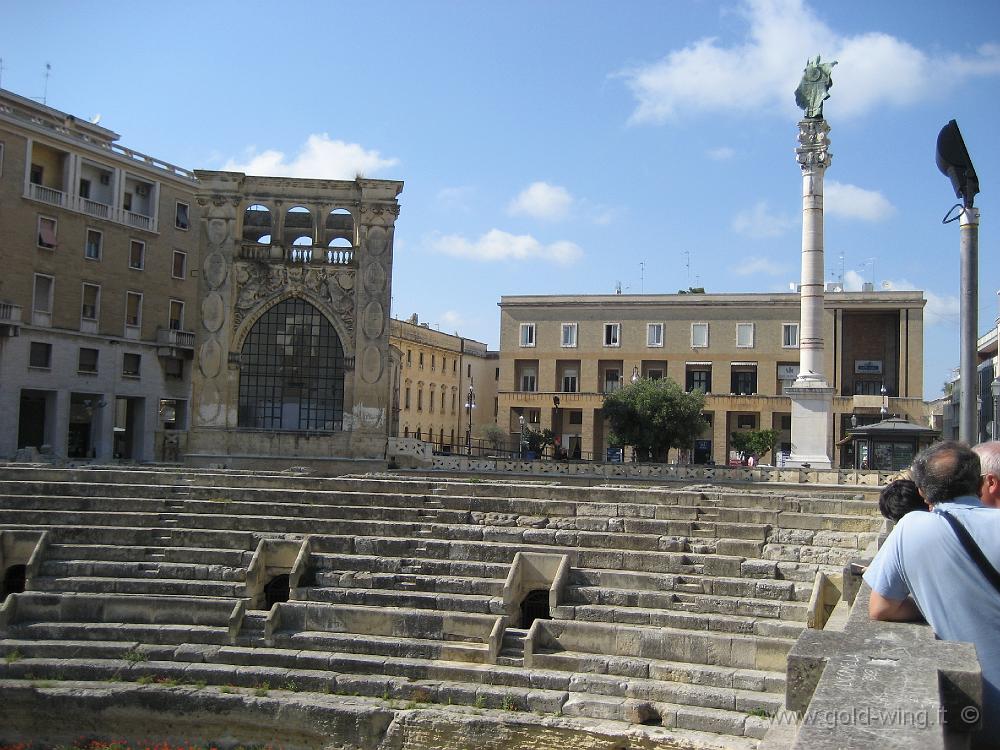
column 618, row 287
column 843, row 271
column 642, row 276
column 45, row 92
column 687, row 266
column 1, row 72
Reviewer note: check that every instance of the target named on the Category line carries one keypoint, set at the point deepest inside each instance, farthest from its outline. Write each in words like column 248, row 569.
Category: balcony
column 46, row 194
column 308, row 255
column 10, row 319
column 174, row 344
column 83, row 205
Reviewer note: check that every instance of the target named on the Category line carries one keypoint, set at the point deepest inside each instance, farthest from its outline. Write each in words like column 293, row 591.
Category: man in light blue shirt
column 923, row 558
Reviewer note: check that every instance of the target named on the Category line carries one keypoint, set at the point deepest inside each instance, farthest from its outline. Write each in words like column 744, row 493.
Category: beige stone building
column 559, row 356
column 436, row 370
column 99, row 246
column 148, row 312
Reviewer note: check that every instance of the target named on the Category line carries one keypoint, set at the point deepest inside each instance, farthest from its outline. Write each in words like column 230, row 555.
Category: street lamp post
column 470, row 404
column 955, row 163
column 884, row 411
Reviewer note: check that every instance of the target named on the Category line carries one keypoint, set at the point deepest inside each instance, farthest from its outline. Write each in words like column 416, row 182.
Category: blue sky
column 561, row 147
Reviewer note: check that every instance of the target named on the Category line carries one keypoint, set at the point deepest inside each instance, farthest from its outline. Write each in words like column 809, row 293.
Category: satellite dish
column 95, row 119
column 955, row 163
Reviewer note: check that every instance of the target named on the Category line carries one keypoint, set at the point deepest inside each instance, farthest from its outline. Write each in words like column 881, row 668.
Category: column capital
column 814, row 149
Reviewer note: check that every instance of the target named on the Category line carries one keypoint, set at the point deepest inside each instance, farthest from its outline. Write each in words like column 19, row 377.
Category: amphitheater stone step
column 167, row 586
column 96, row 568
column 374, row 597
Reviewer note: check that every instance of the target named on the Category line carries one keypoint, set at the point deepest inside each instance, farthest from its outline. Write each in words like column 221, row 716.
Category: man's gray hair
column 989, row 457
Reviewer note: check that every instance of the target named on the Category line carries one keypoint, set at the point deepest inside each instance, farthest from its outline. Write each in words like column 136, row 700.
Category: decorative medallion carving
column 371, row 365
column 218, row 231
column 215, row 270
column 213, row 312
column 373, row 322
column 210, row 358
column 375, row 277
column 376, row 240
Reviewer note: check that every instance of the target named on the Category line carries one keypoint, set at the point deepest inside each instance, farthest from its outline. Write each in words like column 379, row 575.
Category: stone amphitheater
column 391, row 611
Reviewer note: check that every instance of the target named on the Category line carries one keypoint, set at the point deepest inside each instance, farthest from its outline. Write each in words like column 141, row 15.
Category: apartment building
column 97, row 302
column 436, row 371
column 560, row 355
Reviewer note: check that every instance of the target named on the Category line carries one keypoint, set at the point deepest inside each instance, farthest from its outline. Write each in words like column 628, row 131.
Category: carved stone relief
column 377, row 239
column 215, row 270
column 373, row 322
column 218, row 231
column 371, row 365
column 213, row 312
column 210, row 359
column 374, row 277
column 257, row 284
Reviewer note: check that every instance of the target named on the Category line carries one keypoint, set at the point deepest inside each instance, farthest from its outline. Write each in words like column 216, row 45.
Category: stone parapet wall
column 846, row 477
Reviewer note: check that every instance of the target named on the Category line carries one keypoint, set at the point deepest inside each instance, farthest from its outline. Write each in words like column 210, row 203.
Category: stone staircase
column 677, row 610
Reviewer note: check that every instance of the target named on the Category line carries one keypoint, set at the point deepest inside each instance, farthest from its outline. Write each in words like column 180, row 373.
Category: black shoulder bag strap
column 974, row 551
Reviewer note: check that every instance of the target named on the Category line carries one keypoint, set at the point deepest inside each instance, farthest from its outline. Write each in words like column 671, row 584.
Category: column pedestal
column 811, row 409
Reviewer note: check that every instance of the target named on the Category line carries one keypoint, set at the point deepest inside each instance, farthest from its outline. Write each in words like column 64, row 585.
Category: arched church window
column 292, row 371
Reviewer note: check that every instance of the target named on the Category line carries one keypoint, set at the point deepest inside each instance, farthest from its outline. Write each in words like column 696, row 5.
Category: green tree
column 654, row 416
column 495, row 434
column 538, row 440
column 757, row 443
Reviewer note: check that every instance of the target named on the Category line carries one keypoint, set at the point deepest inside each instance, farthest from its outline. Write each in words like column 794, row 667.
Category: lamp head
column 953, row 160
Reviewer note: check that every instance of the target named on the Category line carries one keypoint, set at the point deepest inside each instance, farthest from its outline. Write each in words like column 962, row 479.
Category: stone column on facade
column 215, row 383
column 810, row 395
column 370, row 415
column 60, row 437
column 720, row 437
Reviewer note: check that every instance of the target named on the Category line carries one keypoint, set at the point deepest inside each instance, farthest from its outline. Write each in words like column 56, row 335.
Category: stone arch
column 299, row 221
column 240, row 335
column 339, row 224
column 292, row 370
column 258, row 224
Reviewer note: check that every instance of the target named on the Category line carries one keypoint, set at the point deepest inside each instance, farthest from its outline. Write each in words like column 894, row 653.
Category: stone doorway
column 535, row 606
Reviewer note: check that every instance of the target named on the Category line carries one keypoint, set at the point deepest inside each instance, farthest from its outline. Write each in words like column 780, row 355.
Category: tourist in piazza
column 924, row 571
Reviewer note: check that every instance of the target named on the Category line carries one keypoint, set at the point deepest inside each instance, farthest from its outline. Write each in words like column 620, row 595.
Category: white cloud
column 722, row 153
column 940, row 308
column 320, row 158
column 853, row 281
column 760, row 223
column 760, row 73
column 853, row 202
column 542, row 201
column 497, row 245
column 754, row 265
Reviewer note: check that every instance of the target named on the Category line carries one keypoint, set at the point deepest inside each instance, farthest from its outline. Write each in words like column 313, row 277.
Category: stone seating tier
column 715, row 582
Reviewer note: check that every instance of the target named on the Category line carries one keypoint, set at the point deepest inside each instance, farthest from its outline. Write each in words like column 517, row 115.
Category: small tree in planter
column 495, row 435
column 756, row 443
column 536, row 441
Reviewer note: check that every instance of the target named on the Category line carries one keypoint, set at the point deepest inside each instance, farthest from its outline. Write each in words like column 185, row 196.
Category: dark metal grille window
column 292, row 371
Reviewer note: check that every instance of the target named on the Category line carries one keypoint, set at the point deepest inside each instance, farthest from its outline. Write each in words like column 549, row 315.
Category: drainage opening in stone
column 535, row 606
column 13, row 581
column 276, row 590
